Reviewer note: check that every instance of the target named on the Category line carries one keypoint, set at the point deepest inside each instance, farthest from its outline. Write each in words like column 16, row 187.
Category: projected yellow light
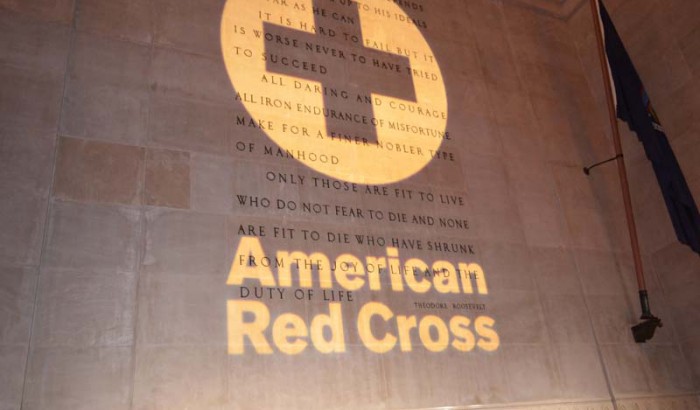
column 252, row 263
column 289, row 333
column 343, row 89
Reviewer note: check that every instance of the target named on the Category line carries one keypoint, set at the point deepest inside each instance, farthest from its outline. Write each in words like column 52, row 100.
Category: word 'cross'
column 394, row 84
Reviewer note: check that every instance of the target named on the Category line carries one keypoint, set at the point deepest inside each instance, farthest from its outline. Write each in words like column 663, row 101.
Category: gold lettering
column 238, row 330
column 288, row 332
column 245, row 263
column 364, row 327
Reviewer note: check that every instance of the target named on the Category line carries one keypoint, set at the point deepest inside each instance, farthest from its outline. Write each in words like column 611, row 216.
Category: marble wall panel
column 579, row 365
column 12, row 364
column 159, row 381
column 189, row 125
column 99, row 237
column 90, row 171
column 23, row 227
column 182, row 242
column 188, row 25
column 144, row 220
column 60, row 11
column 555, row 271
column 168, row 178
column 77, row 309
column 61, row 377
column 124, row 19
column 107, row 90
column 18, row 286
column 531, row 372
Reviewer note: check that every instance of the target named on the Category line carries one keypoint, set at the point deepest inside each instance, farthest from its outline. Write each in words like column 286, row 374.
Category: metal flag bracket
column 587, row 170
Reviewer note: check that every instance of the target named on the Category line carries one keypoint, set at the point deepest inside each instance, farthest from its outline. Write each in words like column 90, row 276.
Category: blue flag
column 634, row 107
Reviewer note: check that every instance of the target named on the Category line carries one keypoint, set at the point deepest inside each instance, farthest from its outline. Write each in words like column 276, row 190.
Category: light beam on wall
column 344, row 89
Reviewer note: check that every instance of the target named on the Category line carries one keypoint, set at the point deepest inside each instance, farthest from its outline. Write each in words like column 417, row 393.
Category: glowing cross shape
column 289, row 85
column 396, row 83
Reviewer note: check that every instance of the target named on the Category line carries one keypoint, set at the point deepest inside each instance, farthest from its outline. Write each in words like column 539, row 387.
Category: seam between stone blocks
column 49, row 201
column 142, row 221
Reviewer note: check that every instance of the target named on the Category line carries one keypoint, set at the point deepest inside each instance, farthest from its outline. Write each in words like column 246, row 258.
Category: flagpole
column 622, row 171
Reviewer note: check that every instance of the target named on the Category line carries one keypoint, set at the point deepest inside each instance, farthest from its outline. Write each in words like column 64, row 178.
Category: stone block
column 29, row 100
column 588, row 229
column 247, row 379
column 85, row 309
column 79, row 379
column 685, row 310
column 665, row 71
column 92, row 171
column 478, row 132
column 687, row 154
column 189, row 25
column 654, row 229
column 345, row 370
column 486, row 174
column 107, row 90
column 344, row 374
column 176, row 309
column 470, row 96
column 555, row 271
column 690, row 47
column 123, row 19
column 497, row 219
column 565, row 316
column 167, row 178
column 678, row 121
column 511, row 107
column 692, row 356
column 543, row 221
column 531, row 372
column 22, row 217
column 98, row 238
column 189, row 76
column 626, row 368
column 17, row 285
column 612, row 317
column 677, row 266
column 507, row 266
column 498, row 65
column 490, row 381
column 599, row 272
column 668, row 369
column 552, row 113
column 522, row 141
column 187, row 243
column 30, row 44
column 26, row 160
column 562, row 147
column 573, row 188
column 403, row 391
column 189, row 125
column 440, row 173
column 241, row 185
column 12, row 364
column 159, row 381
column 581, row 371
column 519, row 317
column 60, row 11
column 212, row 186
column 528, row 176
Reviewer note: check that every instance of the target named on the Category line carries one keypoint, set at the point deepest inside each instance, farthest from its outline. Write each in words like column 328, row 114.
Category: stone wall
column 120, row 166
column 662, row 37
